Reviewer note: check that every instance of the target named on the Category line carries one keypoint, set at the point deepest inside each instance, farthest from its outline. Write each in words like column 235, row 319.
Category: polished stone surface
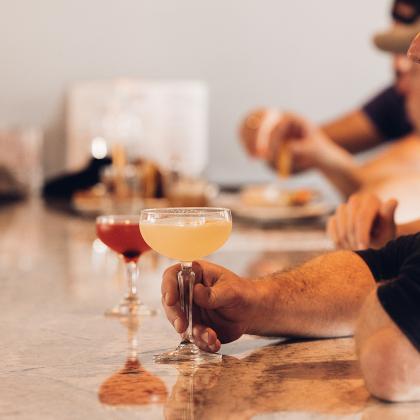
column 62, row 359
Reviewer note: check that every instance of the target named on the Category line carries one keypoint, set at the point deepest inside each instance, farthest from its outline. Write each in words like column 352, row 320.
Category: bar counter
column 63, row 359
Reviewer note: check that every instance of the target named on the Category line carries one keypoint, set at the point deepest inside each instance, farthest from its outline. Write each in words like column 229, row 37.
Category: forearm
column 341, row 170
column 400, row 157
column 408, row 228
column 353, row 131
column 322, row 298
column 389, row 362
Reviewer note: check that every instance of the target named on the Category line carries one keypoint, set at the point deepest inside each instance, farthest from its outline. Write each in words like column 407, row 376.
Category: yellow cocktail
column 186, row 239
column 186, row 234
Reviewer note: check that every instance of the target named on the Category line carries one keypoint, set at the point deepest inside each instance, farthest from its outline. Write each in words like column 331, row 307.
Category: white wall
column 313, row 56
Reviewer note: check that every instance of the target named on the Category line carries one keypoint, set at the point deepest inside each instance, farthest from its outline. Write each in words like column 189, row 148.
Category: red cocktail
column 122, row 235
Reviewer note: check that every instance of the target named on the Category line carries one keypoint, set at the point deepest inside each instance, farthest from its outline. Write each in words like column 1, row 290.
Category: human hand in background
column 268, row 133
column 364, row 221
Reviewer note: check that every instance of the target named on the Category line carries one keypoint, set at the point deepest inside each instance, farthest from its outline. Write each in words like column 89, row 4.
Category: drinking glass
column 186, row 234
column 121, row 233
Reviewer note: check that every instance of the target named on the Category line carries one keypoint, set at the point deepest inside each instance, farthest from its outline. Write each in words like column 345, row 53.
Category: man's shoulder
column 389, row 93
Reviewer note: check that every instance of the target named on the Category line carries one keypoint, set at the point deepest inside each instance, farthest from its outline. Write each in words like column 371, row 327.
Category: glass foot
column 186, row 352
column 129, row 307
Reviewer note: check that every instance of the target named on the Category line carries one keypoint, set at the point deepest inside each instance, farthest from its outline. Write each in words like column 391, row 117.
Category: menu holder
column 161, row 121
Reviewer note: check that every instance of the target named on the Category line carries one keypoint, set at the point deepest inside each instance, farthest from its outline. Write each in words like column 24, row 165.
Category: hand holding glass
column 186, row 234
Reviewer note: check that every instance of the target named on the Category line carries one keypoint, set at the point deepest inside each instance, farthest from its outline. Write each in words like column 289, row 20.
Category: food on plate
column 273, row 196
column 284, row 161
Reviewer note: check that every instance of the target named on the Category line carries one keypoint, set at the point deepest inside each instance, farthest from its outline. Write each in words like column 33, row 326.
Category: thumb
column 296, row 146
column 387, row 210
column 217, row 296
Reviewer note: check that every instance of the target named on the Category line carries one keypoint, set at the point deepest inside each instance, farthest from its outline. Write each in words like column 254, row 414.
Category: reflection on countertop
column 61, row 358
column 132, row 385
column 271, row 379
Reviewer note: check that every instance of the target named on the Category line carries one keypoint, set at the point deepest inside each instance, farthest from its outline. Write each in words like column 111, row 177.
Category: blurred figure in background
column 366, row 220
column 265, row 132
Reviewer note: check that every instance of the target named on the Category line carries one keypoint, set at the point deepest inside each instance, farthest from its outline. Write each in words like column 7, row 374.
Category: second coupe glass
column 122, row 235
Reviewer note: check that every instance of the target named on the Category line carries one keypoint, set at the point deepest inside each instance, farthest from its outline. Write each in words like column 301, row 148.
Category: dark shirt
column 397, row 267
column 387, row 113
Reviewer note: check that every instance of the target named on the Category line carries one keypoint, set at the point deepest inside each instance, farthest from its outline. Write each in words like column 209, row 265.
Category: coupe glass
column 121, row 233
column 186, row 234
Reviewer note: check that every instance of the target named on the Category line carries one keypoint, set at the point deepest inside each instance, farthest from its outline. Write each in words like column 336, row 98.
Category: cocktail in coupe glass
column 186, row 234
column 121, row 233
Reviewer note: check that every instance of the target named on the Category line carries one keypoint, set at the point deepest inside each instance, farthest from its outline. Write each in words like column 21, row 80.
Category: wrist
column 260, row 299
column 333, row 156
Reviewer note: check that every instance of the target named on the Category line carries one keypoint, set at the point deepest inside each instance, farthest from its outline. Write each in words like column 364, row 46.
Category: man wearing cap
column 405, row 14
column 327, row 148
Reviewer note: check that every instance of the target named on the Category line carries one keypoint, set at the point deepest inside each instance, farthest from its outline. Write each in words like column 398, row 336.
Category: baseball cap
column 414, row 50
column 397, row 39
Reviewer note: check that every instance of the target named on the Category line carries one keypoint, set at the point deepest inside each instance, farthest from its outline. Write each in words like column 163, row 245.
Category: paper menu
column 165, row 121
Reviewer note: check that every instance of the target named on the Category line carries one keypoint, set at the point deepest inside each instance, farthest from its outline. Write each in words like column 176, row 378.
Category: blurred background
column 240, row 54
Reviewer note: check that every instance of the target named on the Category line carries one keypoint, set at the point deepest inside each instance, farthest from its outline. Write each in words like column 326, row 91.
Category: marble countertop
column 63, row 359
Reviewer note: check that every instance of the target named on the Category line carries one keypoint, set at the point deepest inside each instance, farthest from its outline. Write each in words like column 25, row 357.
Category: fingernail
column 205, row 337
column 212, row 347
column 177, row 325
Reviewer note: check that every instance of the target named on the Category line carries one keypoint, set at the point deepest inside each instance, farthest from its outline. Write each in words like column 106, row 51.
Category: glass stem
column 132, row 276
column 186, row 280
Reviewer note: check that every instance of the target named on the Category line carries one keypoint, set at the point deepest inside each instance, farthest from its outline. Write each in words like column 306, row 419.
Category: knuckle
column 341, row 208
column 354, row 200
column 168, row 271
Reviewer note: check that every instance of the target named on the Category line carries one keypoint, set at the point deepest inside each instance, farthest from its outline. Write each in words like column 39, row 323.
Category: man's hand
column 264, row 131
column 224, row 304
column 363, row 222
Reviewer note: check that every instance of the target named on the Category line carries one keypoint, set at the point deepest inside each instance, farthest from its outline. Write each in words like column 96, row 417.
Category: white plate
column 273, row 214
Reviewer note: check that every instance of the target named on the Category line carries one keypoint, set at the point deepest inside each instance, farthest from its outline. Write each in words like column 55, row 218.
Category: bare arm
column 327, row 296
column 339, row 167
column 353, row 131
column 266, row 134
column 389, row 362
column 322, row 298
column 408, row 228
column 400, row 158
